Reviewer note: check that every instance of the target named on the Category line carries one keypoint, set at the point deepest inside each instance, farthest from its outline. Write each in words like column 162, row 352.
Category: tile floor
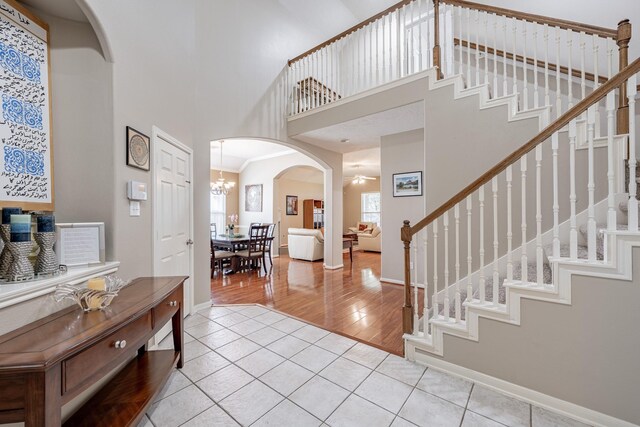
column 248, row 365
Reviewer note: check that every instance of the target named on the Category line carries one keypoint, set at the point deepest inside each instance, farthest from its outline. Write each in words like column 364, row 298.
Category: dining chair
column 267, row 244
column 218, row 257
column 256, row 247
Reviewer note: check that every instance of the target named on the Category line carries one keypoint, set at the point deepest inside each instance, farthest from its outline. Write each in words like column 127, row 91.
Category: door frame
column 156, row 135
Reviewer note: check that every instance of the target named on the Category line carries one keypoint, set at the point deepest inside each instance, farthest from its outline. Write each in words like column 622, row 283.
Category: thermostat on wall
column 136, row 190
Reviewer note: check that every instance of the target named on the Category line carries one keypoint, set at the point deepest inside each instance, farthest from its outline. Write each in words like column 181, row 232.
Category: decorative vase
column 5, row 256
column 231, row 231
column 46, row 261
column 20, row 268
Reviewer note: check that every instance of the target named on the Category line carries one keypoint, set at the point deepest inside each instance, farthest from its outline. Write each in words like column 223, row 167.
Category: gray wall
column 586, row 353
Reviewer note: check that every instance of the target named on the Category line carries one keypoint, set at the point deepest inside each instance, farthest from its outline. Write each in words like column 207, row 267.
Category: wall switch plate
column 134, row 208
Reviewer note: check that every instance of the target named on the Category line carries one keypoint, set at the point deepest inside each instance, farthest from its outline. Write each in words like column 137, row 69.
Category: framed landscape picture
column 407, row 184
column 253, row 198
column 292, row 205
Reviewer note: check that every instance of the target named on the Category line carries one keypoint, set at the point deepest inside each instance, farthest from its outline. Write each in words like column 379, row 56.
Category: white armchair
column 356, row 229
column 306, row 244
column 370, row 241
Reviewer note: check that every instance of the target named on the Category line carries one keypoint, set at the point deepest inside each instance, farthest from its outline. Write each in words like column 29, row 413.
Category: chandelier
column 221, row 187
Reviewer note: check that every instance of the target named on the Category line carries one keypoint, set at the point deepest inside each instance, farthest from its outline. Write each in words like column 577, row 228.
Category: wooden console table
column 45, row 364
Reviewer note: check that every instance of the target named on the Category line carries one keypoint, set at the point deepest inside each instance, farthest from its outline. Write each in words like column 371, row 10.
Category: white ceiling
column 365, row 132
column 365, row 162
column 237, row 152
column 304, row 174
column 67, row 9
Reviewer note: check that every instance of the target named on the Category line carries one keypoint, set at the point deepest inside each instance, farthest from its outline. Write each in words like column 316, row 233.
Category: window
column 218, row 212
column 370, row 207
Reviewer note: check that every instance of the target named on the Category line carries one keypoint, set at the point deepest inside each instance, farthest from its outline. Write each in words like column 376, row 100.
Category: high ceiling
column 237, row 152
column 67, row 9
column 304, row 174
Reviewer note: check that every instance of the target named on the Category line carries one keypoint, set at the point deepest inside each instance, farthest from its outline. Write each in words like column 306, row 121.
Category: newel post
column 622, row 40
column 407, row 310
column 436, row 38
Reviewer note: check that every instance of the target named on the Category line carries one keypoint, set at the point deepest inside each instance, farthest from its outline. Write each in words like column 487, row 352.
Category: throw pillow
column 362, row 227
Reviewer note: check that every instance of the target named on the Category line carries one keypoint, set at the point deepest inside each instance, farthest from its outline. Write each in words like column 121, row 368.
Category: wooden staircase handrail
column 408, row 231
column 530, row 17
column 539, row 19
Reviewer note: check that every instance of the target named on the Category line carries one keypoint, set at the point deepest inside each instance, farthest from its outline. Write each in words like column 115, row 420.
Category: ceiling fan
column 359, row 179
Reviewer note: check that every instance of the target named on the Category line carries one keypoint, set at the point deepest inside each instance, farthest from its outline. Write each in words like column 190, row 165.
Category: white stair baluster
column 573, row 230
column 370, row 69
column 514, row 63
column 558, row 89
column 469, row 253
column 536, row 96
column 523, row 255
column 596, row 71
column 570, row 69
column 496, row 273
column 390, row 50
column 583, row 79
column 411, row 35
column 456, row 215
column 425, row 304
column 383, row 73
column 504, row 56
column 610, row 50
column 547, row 98
column 556, row 204
column 312, row 81
column 469, row 48
column 377, row 63
column 447, row 306
column 416, row 318
column 495, row 56
column 419, row 23
column 611, row 176
column 509, row 174
column 477, row 52
column 486, row 46
column 591, row 187
column 525, row 77
column 434, row 300
column 539, row 254
column 482, row 278
column 461, row 66
column 633, row 187
column 398, row 46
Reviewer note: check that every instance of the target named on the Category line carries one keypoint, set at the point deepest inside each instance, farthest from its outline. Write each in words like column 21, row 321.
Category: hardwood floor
column 351, row 301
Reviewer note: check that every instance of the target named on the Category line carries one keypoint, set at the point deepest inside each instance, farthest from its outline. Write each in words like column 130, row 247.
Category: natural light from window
column 370, row 207
column 218, row 212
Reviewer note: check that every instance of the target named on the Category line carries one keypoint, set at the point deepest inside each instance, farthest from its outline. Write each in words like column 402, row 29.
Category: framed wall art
column 407, row 184
column 138, row 149
column 253, row 198
column 292, row 205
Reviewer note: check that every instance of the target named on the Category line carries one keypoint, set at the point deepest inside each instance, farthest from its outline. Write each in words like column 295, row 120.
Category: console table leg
column 178, row 340
column 43, row 399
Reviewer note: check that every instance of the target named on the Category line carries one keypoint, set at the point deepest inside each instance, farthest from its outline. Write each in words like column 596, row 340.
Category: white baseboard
column 399, row 282
column 333, row 267
column 533, row 397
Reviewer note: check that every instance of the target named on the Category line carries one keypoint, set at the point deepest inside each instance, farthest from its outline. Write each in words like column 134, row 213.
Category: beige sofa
column 356, row 229
column 306, row 244
column 370, row 241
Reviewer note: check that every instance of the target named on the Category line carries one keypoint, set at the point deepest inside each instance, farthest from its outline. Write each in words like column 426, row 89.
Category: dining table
column 232, row 243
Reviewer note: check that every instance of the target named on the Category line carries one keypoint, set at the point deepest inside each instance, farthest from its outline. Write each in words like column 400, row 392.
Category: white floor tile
column 286, row 377
column 401, row 369
column 260, row 362
column 194, row 349
column 288, row 346
column 266, row 336
column 231, row 319
column 237, row 349
column 191, row 402
column 220, row 338
column 215, row 312
column 384, row 391
column 212, row 417
column 336, row 343
column 222, row 383
column 177, row 381
column 471, row 419
column 425, row 409
column 253, row 311
column 188, row 338
column 251, row 402
column 247, row 327
column 205, row 328
column 366, row 355
column 270, row 317
column 448, row 387
column 542, row 418
column 288, row 325
column 310, row 333
column 314, row 358
column 198, row 368
column 345, row 373
column 498, row 407
column 401, row 422
column 355, row 411
column 319, row 396
column 287, row 414
column 144, row 422
column 193, row 320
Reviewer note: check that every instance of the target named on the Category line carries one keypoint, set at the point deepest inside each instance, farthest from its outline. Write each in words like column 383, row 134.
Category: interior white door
column 172, row 223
